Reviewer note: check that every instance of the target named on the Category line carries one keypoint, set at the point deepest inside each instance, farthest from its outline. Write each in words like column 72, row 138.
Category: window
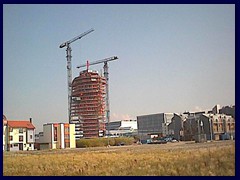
column 31, row 136
column 55, row 133
column 10, row 138
column 10, row 129
column 20, row 138
column 20, row 130
column 66, row 129
column 15, row 145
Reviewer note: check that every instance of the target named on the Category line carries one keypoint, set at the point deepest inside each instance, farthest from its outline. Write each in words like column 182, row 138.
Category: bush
column 100, row 142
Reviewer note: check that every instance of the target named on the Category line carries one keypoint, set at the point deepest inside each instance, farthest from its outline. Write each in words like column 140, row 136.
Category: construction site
column 88, row 96
column 88, row 104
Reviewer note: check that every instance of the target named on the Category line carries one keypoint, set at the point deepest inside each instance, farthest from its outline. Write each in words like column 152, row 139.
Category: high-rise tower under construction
column 88, row 104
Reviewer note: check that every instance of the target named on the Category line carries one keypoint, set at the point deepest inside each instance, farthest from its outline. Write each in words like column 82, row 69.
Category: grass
column 140, row 160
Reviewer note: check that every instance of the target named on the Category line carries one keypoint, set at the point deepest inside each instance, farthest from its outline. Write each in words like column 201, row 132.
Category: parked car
column 157, row 141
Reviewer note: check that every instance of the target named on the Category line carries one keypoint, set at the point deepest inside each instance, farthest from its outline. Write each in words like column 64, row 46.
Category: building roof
column 4, row 117
column 20, row 124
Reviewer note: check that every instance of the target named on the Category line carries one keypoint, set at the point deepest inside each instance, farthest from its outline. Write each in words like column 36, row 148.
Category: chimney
column 30, row 119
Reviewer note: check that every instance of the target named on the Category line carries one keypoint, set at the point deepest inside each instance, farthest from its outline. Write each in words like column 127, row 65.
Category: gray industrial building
column 153, row 124
column 175, row 128
column 190, row 127
column 228, row 110
column 215, row 124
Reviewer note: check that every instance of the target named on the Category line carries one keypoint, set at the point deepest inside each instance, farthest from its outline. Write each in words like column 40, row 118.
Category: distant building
column 218, row 126
column 153, row 124
column 228, row 110
column 190, row 127
column 122, row 128
column 18, row 135
column 213, row 126
column 175, row 128
column 216, row 109
column 56, row 136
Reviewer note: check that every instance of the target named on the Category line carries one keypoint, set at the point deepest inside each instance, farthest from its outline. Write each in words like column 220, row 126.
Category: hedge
column 100, row 142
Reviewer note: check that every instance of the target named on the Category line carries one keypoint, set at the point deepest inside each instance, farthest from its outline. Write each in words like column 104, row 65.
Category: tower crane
column 69, row 67
column 105, row 68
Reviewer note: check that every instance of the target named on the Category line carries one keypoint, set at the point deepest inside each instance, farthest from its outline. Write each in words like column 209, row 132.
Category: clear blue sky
column 172, row 58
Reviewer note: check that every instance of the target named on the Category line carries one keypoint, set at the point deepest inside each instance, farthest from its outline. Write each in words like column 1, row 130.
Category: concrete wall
column 4, row 137
column 153, row 123
column 190, row 128
column 30, row 135
column 72, row 135
column 47, row 134
column 207, row 127
column 176, row 126
column 150, row 123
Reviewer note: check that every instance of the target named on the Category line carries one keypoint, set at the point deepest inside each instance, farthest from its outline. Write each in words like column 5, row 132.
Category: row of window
column 66, row 129
column 20, row 130
column 20, row 139
column 16, row 145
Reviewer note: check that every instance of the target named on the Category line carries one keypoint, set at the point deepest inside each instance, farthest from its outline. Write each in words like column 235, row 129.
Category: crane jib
column 99, row 61
column 76, row 38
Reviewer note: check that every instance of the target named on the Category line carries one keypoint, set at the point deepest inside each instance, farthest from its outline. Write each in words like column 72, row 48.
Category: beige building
column 18, row 135
column 56, row 136
column 218, row 126
column 214, row 126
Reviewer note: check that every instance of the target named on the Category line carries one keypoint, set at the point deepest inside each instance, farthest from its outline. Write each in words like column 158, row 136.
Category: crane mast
column 105, row 68
column 69, row 67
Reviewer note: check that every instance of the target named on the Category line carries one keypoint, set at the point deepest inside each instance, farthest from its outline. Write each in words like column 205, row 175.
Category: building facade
column 153, row 124
column 175, row 128
column 190, row 127
column 18, row 135
column 122, row 128
column 216, row 109
column 218, row 126
column 56, row 136
column 228, row 110
column 4, row 132
column 88, row 104
column 213, row 126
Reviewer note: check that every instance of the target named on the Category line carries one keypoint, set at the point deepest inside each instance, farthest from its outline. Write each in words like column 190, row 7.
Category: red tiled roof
column 20, row 124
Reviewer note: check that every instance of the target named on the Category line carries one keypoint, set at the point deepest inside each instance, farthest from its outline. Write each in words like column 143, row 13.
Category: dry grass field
column 171, row 159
